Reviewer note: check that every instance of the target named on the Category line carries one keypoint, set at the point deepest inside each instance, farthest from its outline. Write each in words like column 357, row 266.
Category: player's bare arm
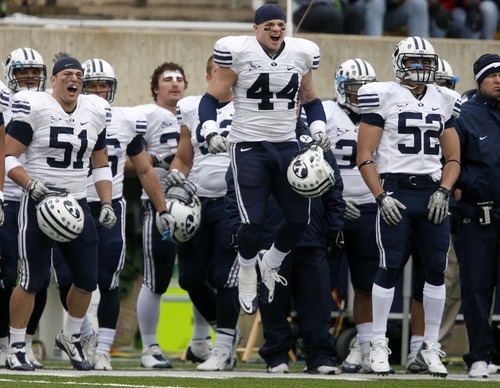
column 450, row 148
column 183, row 160
column 307, row 91
column 222, row 82
column 103, row 186
column 368, row 140
column 14, row 148
column 149, row 180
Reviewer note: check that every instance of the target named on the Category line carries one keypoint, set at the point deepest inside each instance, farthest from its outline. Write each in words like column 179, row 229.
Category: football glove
column 107, row 216
column 163, row 160
column 438, row 205
column 174, row 177
column 351, row 211
column 389, row 208
column 37, row 189
column 166, row 226
column 322, row 140
column 217, row 143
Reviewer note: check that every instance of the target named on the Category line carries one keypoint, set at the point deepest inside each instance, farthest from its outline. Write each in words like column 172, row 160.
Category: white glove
column 438, row 205
column 389, row 208
column 163, row 160
column 107, row 217
column 166, row 225
column 174, row 177
column 217, row 143
column 351, row 211
column 322, row 140
column 37, row 189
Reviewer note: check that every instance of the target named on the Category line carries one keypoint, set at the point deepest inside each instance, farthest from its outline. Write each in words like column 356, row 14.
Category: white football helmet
column 21, row 59
column 98, row 70
column 60, row 216
column 349, row 77
column 185, row 206
column 309, row 173
column 444, row 75
column 414, row 47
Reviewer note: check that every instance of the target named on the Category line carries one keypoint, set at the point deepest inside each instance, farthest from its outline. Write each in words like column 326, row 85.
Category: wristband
column 380, row 197
column 365, row 163
column 102, row 174
column 10, row 163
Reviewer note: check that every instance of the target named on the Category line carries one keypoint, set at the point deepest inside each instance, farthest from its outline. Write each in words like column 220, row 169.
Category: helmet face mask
column 309, row 174
column 95, row 73
column 24, row 69
column 349, row 77
column 414, row 60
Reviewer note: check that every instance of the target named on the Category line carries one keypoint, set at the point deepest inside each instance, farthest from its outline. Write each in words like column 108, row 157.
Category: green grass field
column 127, row 373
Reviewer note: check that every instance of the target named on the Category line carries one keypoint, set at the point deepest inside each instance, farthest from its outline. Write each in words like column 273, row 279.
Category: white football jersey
column 162, row 135
column 126, row 124
column 61, row 143
column 265, row 93
column 209, row 170
column 343, row 134
column 412, row 127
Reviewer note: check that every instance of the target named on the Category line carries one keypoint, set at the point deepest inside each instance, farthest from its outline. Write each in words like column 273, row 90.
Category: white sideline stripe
column 82, row 383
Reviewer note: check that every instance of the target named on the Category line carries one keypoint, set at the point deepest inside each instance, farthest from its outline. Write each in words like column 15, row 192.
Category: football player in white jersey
column 407, row 127
column 60, row 134
column 268, row 73
column 207, row 263
column 123, row 138
column 342, row 120
column 24, row 69
column 168, row 84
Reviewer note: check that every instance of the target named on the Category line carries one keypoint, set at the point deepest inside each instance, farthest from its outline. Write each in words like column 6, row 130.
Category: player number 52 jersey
column 412, row 127
column 265, row 93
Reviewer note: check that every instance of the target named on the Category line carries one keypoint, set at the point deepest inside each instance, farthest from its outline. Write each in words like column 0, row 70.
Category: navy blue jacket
column 478, row 128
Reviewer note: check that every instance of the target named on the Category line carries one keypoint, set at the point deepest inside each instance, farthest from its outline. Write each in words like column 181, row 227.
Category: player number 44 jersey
column 265, row 93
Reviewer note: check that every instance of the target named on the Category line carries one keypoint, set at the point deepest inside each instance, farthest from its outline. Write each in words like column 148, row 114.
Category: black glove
column 335, row 243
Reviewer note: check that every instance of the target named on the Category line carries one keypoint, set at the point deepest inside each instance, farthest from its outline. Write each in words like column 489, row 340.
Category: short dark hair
column 162, row 68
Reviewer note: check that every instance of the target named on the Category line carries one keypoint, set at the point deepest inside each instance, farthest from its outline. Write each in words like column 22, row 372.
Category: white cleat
column 413, row 366
column 352, row 363
column 218, row 361
column 268, row 279
column 280, row 368
column 323, row 370
column 16, row 358
column 199, row 350
column 429, row 355
column 479, row 370
column 30, row 357
column 379, row 357
column 72, row 346
column 102, row 361
column 247, row 289
column 153, row 358
column 89, row 344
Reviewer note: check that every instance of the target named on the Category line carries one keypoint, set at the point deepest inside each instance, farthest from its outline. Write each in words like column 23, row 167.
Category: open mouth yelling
column 72, row 89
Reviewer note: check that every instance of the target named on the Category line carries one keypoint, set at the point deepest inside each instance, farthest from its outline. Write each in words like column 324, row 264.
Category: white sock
column 416, row 343
column 381, row 306
column 201, row 328
column 105, row 339
column 87, row 329
column 17, row 335
column 364, row 332
column 72, row 326
column 224, row 340
column 273, row 257
column 148, row 315
column 434, row 300
column 247, row 263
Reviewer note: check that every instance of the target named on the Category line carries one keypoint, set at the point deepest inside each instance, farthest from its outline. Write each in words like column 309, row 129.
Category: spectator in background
column 477, row 238
column 466, row 19
column 380, row 15
column 328, row 16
